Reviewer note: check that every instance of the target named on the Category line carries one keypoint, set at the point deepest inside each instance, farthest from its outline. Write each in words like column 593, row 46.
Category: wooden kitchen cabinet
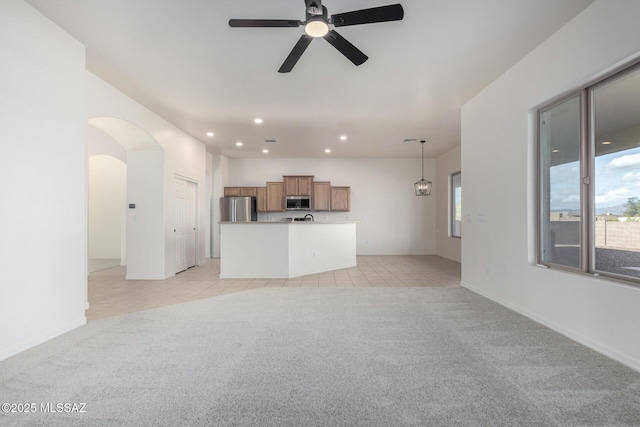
column 275, row 197
column 341, row 199
column 249, row 192
column 261, row 199
column 231, row 191
column 298, row 185
column 240, row 191
column 321, row 196
column 271, row 198
column 290, row 185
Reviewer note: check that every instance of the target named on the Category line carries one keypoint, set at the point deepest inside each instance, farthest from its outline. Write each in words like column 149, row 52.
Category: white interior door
column 185, row 226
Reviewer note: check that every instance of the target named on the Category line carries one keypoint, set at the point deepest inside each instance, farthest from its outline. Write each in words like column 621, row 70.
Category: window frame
column 452, row 207
column 540, row 191
column 587, row 172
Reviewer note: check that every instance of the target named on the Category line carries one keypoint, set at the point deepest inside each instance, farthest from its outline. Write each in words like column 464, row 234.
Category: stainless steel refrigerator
column 238, row 209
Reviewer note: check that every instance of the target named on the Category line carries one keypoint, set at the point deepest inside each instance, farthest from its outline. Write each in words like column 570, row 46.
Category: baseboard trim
column 26, row 345
column 145, row 277
column 569, row 333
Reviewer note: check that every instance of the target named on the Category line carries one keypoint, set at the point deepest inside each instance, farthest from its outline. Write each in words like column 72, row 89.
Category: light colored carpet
column 322, row 356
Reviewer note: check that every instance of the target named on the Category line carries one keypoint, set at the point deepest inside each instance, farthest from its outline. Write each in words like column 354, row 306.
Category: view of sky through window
column 617, row 179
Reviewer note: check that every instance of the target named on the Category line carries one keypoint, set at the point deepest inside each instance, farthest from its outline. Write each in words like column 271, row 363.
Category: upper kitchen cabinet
column 261, row 199
column 321, row 196
column 249, row 192
column 298, row 185
column 240, row 191
column 341, row 199
column 275, row 197
column 231, row 191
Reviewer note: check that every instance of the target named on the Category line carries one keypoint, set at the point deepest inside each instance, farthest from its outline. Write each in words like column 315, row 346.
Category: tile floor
column 111, row 295
column 102, row 264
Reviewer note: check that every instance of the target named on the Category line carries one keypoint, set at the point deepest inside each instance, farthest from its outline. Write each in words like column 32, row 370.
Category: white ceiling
column 180, row 59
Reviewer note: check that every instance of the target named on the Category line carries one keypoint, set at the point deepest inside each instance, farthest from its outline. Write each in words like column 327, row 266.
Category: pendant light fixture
column 423, row 187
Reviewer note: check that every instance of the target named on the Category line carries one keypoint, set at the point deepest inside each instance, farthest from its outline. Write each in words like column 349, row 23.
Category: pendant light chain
column 422, row 144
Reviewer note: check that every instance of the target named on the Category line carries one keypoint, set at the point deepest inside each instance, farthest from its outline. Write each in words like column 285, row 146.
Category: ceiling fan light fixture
column 319, row 24
column 316, row 27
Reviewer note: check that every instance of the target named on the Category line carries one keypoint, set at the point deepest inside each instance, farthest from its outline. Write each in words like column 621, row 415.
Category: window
column 560, row 141
column 589, row 179
column 455, row 207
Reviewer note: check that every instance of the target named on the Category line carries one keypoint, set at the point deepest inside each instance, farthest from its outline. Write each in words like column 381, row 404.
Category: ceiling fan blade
column 352, row 53
column 263, row 23
column 295, row 54
column 393, row 12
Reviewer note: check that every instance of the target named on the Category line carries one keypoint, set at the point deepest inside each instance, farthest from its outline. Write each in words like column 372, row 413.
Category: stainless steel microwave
column 298, row 203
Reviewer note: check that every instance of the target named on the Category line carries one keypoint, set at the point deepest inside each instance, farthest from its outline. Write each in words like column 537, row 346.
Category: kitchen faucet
column 305, row 217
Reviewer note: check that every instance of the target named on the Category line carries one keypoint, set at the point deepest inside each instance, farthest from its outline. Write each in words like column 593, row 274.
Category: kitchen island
column 282, row 250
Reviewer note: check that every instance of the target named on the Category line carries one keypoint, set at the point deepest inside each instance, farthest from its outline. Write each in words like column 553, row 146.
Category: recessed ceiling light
column 239, row 144
column 328, row 150
column 343, row 138
column 209, row 134
column 257, row 121
column 265, row 151
column 606, row 142
column 555, row 150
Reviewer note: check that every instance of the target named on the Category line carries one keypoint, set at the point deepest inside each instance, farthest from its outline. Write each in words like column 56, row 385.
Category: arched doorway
column 125, row 163
column 107, row 214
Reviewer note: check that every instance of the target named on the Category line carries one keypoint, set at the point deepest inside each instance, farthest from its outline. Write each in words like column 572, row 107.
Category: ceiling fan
column 317, row 24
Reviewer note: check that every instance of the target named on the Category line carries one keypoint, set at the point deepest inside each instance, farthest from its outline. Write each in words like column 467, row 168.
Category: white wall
column 498, row 256
column 219, row 179
column 107, row 196
column 393, row 220
column 184, row 156
column 99, row 143
column 145, row 222
column 43, row 175
column 447, row 246
column 208, row 203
